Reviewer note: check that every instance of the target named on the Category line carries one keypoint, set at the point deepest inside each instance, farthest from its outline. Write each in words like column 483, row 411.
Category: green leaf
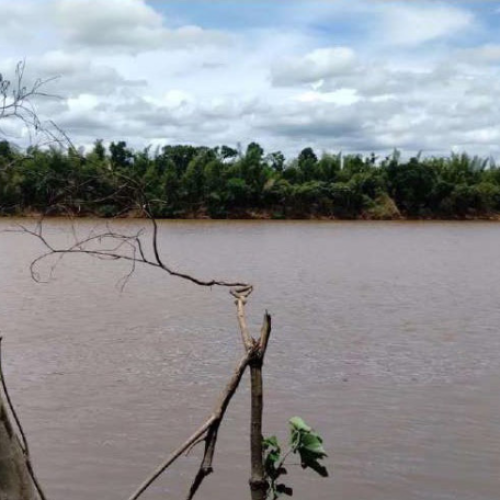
column 312, row 442
column 304, row 441
column 272, row 457
column 282, row 488
column 270, row 442
column 298, row 424
column 309, row 445
column 317, row 467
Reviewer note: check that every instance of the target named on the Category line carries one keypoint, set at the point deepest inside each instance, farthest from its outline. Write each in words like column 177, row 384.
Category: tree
column 121, row 156
column 276, row 161
column 228, row 153
column 410, row 185
column 307, row 163
column 329, row 167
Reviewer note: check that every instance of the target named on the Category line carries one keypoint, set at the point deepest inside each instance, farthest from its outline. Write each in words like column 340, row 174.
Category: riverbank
column 257, row 215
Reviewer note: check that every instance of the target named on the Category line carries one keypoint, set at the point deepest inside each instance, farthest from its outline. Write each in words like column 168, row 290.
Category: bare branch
column 111, row 245
column 265, row 333
column 171, row 459
column 209, row 428
column 121, row 242
column 241, row 296
column 24, row 441
column 258, row 483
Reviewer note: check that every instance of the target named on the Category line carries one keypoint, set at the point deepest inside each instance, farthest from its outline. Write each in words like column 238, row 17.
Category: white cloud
column 488, row 54
column 127, row 25
column 342, row 97
column 389, row 85
column 17, row 14
column 415, row 24
column 20, row 23
column 314, row 66
column 78, row 73
column 83, row 103
column 378, row 106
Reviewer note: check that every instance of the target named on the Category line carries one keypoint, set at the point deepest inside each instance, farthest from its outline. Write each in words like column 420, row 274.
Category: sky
column 336, row 75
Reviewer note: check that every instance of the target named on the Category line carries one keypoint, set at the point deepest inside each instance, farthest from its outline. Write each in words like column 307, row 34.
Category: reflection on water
column 385, row 338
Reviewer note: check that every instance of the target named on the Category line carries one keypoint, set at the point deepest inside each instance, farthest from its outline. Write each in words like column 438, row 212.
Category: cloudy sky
column 350, row 75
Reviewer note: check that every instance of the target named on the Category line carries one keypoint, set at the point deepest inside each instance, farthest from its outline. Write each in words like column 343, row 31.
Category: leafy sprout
column 305, row 442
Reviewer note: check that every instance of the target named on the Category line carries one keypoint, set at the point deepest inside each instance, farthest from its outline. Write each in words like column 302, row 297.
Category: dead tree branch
column 24, row 441
column 108, row 244
column 129, row 248
column 241, row 296
column 16, row 101
column 258, row 483
column 209, row 429
column 208, row 432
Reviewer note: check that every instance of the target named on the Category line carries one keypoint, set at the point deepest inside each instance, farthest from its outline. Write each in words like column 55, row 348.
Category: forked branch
column 112, row 245
column 17, row 102
column 258, row 483
column 208, row 432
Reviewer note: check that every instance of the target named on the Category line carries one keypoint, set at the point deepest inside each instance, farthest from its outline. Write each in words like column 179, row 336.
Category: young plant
column 305, row 442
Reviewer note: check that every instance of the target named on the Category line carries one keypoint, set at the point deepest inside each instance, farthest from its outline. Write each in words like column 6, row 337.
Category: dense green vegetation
column 187, row 181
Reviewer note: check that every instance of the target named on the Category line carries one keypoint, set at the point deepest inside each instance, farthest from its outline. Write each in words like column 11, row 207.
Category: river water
column 386, row 340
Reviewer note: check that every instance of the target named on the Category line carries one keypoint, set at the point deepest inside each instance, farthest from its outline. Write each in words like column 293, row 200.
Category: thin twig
column 113, row 253
column 194, row 445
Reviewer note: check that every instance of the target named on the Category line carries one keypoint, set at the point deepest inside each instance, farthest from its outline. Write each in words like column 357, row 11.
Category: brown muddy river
column 386, row 339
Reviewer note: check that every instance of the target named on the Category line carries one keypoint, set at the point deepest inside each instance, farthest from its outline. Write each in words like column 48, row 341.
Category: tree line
column 184, row 181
